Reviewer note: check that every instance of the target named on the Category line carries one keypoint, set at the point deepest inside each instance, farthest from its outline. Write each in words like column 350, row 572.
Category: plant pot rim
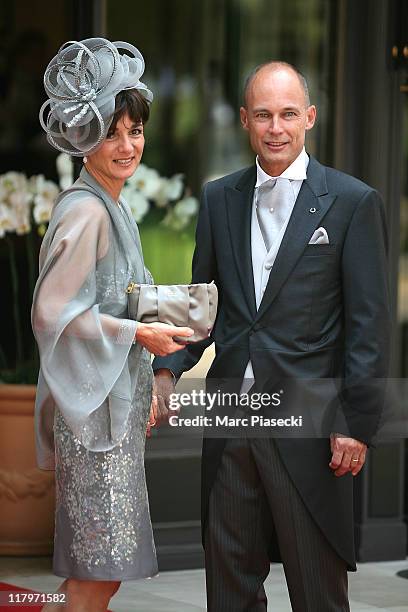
column 17, row 399
column 16, row 390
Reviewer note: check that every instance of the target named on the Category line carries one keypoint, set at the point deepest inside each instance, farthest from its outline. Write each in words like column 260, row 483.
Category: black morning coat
column 324, row 315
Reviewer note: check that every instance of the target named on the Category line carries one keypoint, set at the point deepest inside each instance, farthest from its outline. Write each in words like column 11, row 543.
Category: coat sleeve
column 367, row 318
column 203, row 271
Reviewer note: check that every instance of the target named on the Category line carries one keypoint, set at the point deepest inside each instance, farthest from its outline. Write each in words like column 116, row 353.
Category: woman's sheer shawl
column 89, row 364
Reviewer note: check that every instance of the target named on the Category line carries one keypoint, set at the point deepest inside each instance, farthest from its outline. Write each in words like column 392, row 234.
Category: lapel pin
column 312, row 210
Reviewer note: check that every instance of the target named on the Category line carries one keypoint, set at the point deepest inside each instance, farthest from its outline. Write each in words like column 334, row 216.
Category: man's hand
column 163, row 388
column 348, row 455
column 157, row 338
column 159, row 412
column 152, row 419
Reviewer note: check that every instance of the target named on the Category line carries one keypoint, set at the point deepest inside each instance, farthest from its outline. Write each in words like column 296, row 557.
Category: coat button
column 312, row 210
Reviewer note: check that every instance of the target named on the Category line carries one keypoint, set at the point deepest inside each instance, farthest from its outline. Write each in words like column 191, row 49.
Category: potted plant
column 26, row 493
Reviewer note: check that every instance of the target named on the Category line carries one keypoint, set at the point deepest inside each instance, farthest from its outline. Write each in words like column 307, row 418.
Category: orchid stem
column 32, row 274
column 31, row 263
column 15, row 291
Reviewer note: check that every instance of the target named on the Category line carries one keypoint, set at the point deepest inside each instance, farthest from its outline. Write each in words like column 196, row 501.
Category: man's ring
column 354, row 459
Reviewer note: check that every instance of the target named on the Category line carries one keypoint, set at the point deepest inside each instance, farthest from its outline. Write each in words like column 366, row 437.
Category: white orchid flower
column 174, row 222
column 3, row 190
column 138, row 204
column 34, row 183
column 21, row 212
column 20, row 205
column 15, row 207
column 187, row 207
column 42, row 210
column 13, row 181
column 170, row 190
column 138, row 175
column 7, row 220
column 146, row 180
column 19, row 201
column 65, row 169
column 23, row 225
column 179, row 217
column 45, row 191
column 175, row 186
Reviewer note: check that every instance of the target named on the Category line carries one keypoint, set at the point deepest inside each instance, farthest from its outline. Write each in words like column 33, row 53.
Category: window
column 198, row 55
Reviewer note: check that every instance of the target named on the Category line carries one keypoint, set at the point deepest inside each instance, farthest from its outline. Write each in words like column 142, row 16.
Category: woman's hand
column 157, row 338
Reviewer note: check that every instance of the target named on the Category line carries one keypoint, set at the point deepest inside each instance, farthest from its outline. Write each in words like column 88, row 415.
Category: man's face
column 276, row 117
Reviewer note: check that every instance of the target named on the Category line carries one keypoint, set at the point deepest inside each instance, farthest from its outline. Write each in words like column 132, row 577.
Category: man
column 303, row 295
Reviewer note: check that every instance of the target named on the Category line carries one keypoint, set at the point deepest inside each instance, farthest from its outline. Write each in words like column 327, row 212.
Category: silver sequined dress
column 94, row 387
column 102, row 524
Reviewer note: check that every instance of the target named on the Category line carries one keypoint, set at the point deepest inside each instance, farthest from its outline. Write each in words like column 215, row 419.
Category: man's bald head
column 275, row 66
column 277, row 114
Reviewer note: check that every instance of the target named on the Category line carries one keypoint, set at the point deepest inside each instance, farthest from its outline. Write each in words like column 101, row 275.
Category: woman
column 95, row 382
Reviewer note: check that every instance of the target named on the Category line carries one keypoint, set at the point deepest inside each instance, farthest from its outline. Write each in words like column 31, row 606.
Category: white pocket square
column 319, row 237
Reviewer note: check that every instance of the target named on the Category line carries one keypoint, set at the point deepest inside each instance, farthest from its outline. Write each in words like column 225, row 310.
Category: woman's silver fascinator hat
column 82, row 82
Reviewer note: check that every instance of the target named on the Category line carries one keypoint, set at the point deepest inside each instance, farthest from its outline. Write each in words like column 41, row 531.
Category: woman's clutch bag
column 192, row 306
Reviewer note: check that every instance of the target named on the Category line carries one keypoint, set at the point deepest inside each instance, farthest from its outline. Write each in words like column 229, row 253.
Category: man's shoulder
column 230, row 180
column 341, row 182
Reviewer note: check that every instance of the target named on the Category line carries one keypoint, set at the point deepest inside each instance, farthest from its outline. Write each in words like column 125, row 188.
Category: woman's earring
column 85, row 159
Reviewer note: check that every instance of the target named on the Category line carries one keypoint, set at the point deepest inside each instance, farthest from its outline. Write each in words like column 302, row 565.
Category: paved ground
column 375, row 588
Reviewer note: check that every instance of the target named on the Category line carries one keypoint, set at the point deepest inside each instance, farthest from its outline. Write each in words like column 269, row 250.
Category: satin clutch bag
column 192, row 306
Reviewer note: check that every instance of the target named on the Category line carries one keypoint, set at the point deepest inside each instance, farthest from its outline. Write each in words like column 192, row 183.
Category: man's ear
column 243, row 113
column 310, row 117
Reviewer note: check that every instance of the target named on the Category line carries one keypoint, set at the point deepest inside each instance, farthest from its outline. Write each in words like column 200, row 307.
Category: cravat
column 273, row 205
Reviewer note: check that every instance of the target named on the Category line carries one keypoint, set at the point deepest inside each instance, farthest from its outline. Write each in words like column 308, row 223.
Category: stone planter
column 26, row 493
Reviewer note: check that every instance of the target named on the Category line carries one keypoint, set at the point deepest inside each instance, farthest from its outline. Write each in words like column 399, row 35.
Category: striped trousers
column 252, row 500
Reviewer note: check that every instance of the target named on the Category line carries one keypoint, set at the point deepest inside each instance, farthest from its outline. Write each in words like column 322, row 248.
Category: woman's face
column 119, row 155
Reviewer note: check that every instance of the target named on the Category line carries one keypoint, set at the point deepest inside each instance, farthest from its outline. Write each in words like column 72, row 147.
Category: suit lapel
column 239, row 210
column 312, row 204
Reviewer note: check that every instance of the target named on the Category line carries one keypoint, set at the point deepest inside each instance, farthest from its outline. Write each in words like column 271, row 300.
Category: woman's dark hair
column 129, row 101
column 133, row 103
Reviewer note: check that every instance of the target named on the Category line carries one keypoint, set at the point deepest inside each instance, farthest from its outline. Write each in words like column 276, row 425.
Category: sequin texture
column 103, row 527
